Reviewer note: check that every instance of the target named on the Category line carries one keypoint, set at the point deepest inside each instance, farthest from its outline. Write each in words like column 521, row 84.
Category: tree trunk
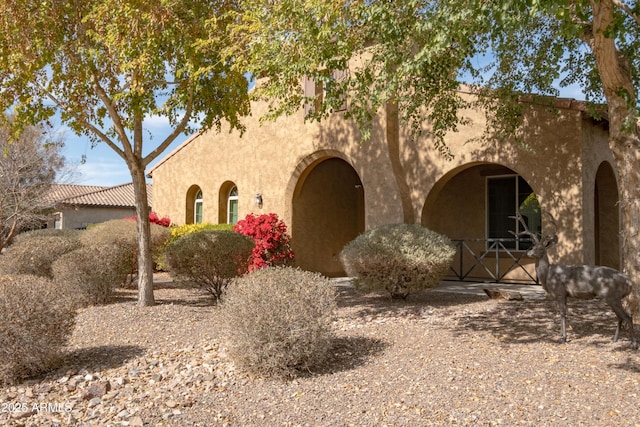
column 628, row 162
column 145, row 265
column 617, row 83
column 393, row 147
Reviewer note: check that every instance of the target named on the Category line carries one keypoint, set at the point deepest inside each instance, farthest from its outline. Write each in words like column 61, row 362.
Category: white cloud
column 103, row 172
column 156, row 122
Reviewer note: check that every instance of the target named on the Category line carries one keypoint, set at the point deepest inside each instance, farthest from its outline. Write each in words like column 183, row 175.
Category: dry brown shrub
column 122, row 236
column 401, row 258
column 36, row 319
column 91, row 273
column 34, row 252
column 277, row 320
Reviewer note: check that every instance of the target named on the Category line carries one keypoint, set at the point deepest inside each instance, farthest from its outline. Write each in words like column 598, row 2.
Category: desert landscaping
column 437, row 358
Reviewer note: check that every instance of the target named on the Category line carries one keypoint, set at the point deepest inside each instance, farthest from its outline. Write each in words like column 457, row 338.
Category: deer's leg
column 615, row 336
column 562, row 306
column 623, row 316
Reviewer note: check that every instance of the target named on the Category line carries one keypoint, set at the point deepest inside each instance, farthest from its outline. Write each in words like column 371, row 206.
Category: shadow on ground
column 374, row 303
column 346, row 353
column 512, row 322
column 102, row 357
column 518, row 322
column 192, row 295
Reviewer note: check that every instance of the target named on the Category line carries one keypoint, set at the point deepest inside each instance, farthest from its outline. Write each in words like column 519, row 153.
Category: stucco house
column 78, row 206
column 328, row 185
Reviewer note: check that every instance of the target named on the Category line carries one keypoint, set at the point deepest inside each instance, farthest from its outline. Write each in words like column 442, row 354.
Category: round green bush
column 210, row 259
column 36, row 320
column 179, row 231
column 35, row 251
column 277, row 320
column 401, row 258
column 186, row 229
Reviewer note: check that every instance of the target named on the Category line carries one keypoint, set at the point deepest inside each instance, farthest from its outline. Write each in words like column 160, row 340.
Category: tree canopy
column 106, row 65
column 415, row 54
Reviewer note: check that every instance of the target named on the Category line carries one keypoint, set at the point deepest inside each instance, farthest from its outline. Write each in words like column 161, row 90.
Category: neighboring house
column 78, row 206
column 328, row 185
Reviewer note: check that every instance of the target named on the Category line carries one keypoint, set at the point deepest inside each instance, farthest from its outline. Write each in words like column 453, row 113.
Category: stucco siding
column 402, row 179
column 85, row 216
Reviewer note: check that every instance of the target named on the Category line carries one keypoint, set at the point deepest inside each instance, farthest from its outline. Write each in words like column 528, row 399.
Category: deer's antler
column 526, row 231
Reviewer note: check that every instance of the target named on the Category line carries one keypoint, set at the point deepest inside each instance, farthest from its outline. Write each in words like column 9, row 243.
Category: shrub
column 91, row 273
column 36, row 320
column 209, row 258
column 186, row 229
column 121, row 235
column 154, row 219
column 277, row 320
column 48, row 232
column 34, row 252
column 401, row 258
column 271, row 239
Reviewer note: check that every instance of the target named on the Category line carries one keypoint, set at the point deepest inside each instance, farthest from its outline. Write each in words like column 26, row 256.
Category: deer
column 578, row 281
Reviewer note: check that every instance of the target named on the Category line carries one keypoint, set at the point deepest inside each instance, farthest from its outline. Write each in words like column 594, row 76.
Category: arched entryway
column 475, row 205
column 607, row 218
column 327, row 213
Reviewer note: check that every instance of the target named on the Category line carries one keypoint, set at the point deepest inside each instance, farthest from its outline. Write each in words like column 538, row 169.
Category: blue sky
column 104, row 167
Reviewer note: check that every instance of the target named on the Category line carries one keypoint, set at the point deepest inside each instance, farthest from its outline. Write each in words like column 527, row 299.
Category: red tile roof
column 65, row 191
column 86, row 195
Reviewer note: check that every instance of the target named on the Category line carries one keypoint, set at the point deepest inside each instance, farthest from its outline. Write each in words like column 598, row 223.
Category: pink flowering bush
column 270, row 236
column 155, row 219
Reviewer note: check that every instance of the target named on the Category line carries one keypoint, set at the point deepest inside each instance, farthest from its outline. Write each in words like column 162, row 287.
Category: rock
column 18, row 415
column 136, row 422
column 119, row 381
column 94, row 402
column 122, row 414
column 42, row 388
column 97, row 390
column 505, row 295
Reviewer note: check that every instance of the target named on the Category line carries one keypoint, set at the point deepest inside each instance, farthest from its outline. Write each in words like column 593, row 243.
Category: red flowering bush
column 270, row 236
column 155, row 219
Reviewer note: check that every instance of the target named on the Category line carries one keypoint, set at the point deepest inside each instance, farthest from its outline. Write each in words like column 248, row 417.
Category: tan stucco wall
column 84, row 216
column 563, row 152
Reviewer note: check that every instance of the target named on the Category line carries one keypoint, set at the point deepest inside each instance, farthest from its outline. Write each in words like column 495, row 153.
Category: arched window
column 232, row 205
column 197, row 208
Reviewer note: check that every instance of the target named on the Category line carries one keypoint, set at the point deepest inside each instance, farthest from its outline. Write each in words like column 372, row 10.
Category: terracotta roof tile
column 65, row 191
column 118, row 196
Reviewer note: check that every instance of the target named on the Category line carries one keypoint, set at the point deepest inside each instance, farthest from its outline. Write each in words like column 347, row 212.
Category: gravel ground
column 434, row 359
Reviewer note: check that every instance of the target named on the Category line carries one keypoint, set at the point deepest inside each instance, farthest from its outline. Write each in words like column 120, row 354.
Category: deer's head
column 540, row 246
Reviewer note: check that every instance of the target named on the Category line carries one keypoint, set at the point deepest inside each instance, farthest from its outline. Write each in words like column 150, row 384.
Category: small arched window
column 197, row 208
column 232, row 206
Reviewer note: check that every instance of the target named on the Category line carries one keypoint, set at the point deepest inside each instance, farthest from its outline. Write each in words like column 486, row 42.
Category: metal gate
column 495, row 247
